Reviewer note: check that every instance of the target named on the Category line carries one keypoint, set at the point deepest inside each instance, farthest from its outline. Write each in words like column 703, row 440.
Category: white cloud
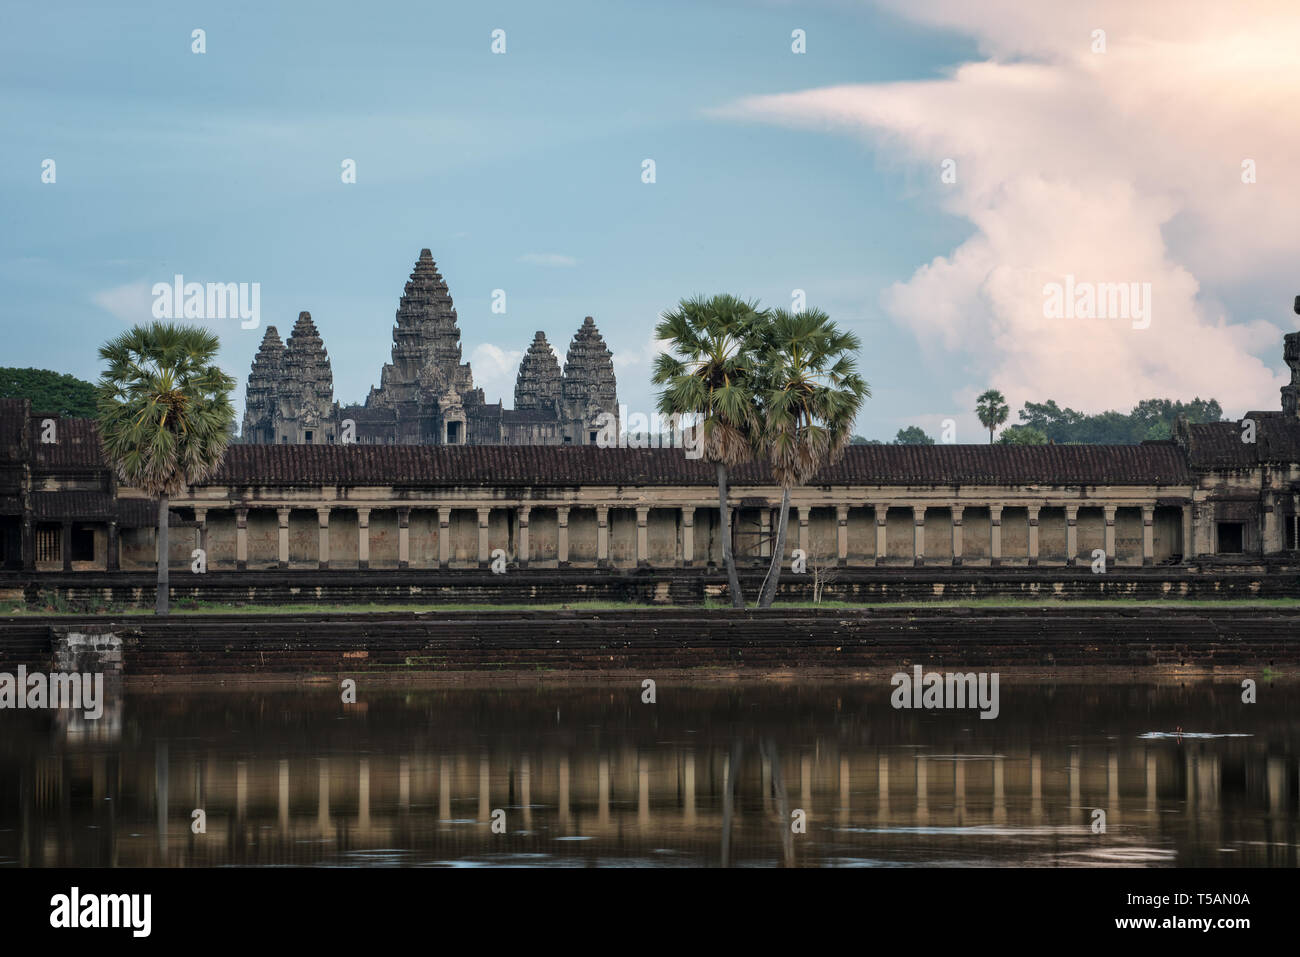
column 548, row 259
column 495, row 371
column 1123, row 166
column 132, row 303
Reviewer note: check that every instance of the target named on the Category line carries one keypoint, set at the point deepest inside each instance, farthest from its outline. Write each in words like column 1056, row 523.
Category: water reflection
column 710, row 775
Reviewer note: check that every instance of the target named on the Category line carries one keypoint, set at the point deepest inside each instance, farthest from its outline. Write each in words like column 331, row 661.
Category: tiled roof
column 94, row 506
column 77, row 447
column 13, row 413
column 1158, row 463
column 1220, row 445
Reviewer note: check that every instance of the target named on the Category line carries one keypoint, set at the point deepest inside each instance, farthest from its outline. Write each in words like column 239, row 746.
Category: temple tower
column 304, row 414
column 588, row 387
column 260, row 398
column 539, row 383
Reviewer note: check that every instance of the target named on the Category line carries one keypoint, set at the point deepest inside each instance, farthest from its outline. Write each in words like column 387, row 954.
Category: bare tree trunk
column 160, row 605
column 724, row 510
column 768, row 595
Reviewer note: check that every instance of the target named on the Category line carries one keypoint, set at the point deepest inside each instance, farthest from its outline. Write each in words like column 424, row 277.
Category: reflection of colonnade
column 443, row 803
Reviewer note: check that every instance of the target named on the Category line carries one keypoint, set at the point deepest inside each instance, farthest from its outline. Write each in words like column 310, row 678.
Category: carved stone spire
column 1291, row 353
column 263, row 387
column 589, row 368
column 538, row 384
column 307, row 388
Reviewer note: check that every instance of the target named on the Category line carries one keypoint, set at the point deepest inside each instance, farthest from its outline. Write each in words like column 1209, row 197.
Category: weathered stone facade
column 426, row 395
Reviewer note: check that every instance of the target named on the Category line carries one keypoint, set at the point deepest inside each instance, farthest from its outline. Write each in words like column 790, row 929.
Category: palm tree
column 708, row 373
column 992, row 409
column 811, row 393
column 164, row 415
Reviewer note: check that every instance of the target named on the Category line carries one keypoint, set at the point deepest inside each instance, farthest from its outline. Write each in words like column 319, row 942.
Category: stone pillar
column 363, row 538
column 283, row 514
column 201, row 516
column 484, row 552
column 65, row 546
column 642, row 537
column 1148, row 534
column 1188, row 543
column 114, row 560
column 29, row 543
column 523, row 513
column 957, row 512
column 765, row 533
column 241, row 538
column 444, row 536
column 562, row 518
column 918, row 534
column 842, row 536
column 688, row 535
column 882, row 528
column 803, row 513
column 323, row 549
column 1071, row 534
column 1268, row 540
column 1033, row 533
column 1110, row 534
column 995, row 534
column 404, row 537
column 602, row 536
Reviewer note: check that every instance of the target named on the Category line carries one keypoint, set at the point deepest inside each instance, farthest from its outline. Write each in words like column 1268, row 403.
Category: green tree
column 912, row 435
column 863, row 440
column 810, row 393
column 992, row 409
column 708, row 372
column 49, row 391
column 164, row 415
column 1022, row 435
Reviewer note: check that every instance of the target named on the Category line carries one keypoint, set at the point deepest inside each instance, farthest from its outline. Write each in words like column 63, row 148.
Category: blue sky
column 225, row 167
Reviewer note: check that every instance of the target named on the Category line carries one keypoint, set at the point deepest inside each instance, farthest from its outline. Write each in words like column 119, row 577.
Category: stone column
column 882, row 528
column 957, row 511
column 65, row 546
column 1033, row 533
column 323, row 549
column 764, row 532
column 241, row 538
column 484, row 552
column 201, row 516
column 114, row 561
column 642, row 537
column 1110, row 533
column 562, row 519
column 444, row 535
column 688, row 535
column 1268, row 526
column 803, row 513
column 1148, row 534
column 29, row 543
column 363, row 538
column 995, row 534
column 1071, row 534
column 404, row 537
column 602, row 536
column 918, row 534
column 842, row 536
column 523, row 513
column 1188, row 543
column 283, row 514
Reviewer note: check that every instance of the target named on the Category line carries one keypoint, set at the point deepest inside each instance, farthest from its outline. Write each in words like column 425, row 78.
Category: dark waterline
column 591, row 775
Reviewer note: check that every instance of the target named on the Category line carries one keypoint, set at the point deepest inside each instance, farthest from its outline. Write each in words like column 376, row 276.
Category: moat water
column 775, row 773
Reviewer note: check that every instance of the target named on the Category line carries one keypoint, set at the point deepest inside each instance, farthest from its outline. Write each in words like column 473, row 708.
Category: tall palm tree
column 708, row 373
column 992, row 409
column 811, row 393
column 164, row 415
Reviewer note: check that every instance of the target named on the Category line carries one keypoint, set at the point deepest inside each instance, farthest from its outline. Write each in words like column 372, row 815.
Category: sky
column 923, row 171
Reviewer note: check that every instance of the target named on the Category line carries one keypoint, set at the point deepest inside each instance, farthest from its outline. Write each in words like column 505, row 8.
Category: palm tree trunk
column 778, row 555
column 160, row 604
column 724, row 510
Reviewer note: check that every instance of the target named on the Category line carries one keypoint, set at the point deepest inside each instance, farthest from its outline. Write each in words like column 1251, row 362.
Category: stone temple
column 426, row 395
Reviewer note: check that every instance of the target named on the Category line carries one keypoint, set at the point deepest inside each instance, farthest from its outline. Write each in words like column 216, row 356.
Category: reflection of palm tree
column 729, row 799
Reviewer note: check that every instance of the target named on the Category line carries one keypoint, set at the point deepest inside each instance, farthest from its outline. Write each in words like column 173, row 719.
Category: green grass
column 17, row 609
